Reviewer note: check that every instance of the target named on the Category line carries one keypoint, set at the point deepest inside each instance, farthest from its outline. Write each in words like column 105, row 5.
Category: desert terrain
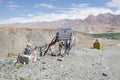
column 83, row 63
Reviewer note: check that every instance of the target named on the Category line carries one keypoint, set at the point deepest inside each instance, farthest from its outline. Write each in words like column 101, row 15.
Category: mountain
column 102, row 23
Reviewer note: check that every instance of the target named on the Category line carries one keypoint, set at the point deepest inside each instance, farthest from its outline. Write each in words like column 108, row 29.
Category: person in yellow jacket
column 96, row 44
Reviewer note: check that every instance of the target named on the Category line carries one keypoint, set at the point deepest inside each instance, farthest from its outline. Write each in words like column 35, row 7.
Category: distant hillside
column 102, row 23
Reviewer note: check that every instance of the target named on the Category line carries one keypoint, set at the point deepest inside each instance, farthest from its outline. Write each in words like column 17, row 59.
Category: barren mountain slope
column 102, row 23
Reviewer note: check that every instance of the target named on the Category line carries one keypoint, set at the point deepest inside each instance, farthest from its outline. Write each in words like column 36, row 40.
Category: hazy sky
column 23, row 11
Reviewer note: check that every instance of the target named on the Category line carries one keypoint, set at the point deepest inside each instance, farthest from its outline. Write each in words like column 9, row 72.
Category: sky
column 25, row 11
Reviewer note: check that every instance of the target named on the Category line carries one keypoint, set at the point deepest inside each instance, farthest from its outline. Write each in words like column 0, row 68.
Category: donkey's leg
column 59, row 53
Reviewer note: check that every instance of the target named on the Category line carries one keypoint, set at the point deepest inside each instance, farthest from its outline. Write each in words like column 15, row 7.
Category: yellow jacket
column 11, row 56
column 96, row 45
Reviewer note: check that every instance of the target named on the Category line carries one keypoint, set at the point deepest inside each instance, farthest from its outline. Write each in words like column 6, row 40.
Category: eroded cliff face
column 16, row 39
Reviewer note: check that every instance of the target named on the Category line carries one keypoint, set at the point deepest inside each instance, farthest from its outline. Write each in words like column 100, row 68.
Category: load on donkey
column 64, row 39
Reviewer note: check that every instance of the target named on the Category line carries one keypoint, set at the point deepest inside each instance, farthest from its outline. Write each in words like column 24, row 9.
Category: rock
column 61, row 65
column 59, row 60
column 104, row 74
column 43, row 68
column 43, row 62
column 48, row 65
column 53, row 55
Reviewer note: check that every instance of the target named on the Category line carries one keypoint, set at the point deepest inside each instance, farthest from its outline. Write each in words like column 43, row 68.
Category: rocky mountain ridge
column 102, row 23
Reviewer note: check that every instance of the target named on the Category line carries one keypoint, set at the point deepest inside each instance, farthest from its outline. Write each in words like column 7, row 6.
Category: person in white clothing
column 34, row 54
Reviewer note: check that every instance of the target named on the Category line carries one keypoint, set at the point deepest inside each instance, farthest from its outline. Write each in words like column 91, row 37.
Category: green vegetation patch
column 115, row 36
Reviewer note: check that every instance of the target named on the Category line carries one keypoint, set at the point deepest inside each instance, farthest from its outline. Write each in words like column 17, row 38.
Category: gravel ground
column 81, row 64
